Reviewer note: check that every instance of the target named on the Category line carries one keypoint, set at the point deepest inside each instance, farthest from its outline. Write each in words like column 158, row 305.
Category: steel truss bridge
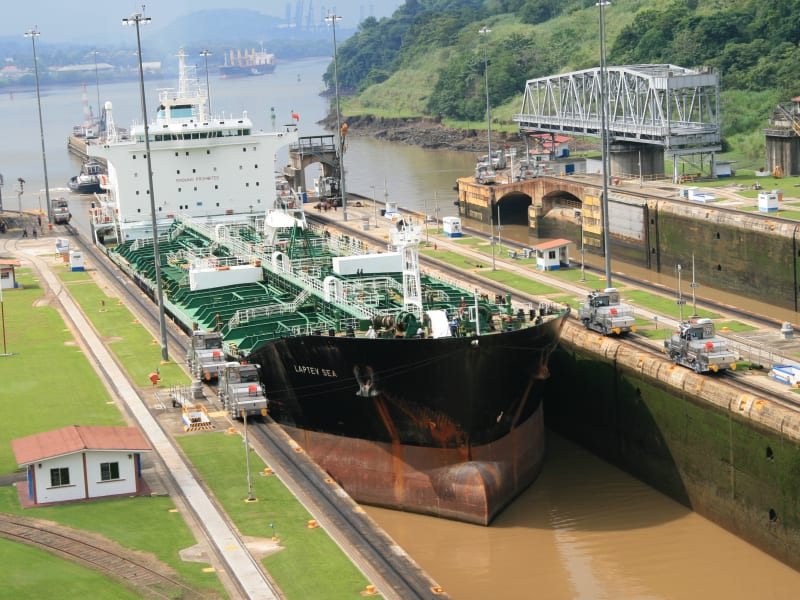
column 663, row 106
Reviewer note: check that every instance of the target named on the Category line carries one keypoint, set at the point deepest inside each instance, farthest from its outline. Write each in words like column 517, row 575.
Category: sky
column 61, row 21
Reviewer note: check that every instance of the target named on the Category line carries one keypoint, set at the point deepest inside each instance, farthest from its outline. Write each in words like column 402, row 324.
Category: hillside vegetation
column 428, row 59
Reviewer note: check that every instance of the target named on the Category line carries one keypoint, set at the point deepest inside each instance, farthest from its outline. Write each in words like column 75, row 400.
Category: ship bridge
column 653, row 110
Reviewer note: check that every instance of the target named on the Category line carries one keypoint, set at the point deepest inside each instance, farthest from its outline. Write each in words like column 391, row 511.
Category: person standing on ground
column 24, row 231
column 33, row 230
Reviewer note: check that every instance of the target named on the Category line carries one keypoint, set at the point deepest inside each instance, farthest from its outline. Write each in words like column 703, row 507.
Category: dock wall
column 732, row 457
column 734, row 251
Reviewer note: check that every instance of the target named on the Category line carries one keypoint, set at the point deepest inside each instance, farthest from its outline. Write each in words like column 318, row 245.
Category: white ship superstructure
column 203, row 166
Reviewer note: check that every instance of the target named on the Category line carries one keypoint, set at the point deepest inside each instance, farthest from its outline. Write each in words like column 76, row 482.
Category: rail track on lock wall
column 747, row 384
column 358, row 536
column 145, row 573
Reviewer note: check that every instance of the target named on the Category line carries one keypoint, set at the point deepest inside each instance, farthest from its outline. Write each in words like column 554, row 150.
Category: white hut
column 552, row 255
column 78, row 463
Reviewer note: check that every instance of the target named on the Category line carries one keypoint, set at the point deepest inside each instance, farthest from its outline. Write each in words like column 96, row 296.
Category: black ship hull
column 451, row 427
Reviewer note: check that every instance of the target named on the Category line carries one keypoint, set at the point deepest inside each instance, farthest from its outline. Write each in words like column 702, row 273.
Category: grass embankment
column 647, row 306
column 50, row 383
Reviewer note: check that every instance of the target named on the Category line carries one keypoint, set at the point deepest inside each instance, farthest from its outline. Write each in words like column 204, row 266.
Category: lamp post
column 250, row 496
column 97, row 82
column 604, row 137
column 33, row 34
column 486, row 31
column 331, row 20
column 205, row 54
column 491, row 238
column 680, row 301
column 499, row 230
column 136, row 20
column 583, row 251
column 374, row 206
column 1, row 192
column 694, row 285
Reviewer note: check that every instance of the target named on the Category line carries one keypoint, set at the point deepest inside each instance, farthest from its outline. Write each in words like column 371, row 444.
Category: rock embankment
column 425, row 133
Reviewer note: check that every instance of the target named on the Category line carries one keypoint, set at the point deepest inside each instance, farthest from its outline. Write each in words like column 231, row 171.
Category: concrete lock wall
column 734, row 251
column 731, row 457
column 740, row 254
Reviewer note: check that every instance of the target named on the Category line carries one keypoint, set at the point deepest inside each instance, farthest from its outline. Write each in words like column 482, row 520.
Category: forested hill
column 428, row 58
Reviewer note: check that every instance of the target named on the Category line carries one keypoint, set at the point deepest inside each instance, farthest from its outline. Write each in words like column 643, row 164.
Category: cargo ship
column 247, row 63
column 412, row 392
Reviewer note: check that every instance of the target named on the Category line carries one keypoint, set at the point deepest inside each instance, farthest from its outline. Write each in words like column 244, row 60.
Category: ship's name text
column 307, row 370
column 197, row 178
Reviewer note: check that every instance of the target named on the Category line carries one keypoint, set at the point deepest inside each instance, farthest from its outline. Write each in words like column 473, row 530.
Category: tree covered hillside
column 428, row 58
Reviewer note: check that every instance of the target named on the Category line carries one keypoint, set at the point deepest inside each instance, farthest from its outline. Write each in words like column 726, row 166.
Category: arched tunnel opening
column 511, row 209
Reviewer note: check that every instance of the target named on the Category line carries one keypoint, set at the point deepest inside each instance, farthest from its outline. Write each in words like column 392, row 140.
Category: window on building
column 59, row 477
column 109, row 471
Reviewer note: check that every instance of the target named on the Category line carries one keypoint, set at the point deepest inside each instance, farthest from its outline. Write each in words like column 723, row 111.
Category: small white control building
column 81, row 462
column 451, row 226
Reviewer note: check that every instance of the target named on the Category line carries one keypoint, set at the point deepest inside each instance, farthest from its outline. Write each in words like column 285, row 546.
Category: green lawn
column 32, row 573
column 53, row 393
column 128, row 340
column 646, row 301
column 309, row 565
column 146, row 524
column 48, row 382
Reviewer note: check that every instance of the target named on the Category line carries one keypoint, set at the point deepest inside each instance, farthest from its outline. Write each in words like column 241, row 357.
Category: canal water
column 584, row 529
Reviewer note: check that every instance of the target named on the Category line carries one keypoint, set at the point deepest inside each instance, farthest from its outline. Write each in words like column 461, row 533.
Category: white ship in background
column 203, row 166
column 247, row 63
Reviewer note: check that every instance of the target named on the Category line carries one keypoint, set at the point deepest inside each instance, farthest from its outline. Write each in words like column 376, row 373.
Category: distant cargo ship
column 247, row 63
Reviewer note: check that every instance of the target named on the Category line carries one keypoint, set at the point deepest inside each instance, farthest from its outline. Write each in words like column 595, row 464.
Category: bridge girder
column 663, row 105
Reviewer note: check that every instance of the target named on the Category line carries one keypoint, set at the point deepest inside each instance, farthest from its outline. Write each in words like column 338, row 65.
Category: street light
column 33, row 34
column 486, row 31
column 604, row 137
column 136, row 20
column 680, row 301
column 499, row 230
column 694, row 285
column 331, row 20
column 205, row 54
column 97, row 82
column 250, row 496
column 491, row 239
column 583, row 250
column 374, row 206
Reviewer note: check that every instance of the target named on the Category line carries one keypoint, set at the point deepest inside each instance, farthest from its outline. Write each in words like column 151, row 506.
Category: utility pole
column 604, row 138
column 331, row 19
column 205, row 54
column 136, row 20
column 33, row 34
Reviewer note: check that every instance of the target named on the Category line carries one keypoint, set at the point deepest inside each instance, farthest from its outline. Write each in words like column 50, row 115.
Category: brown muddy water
column 587, row 530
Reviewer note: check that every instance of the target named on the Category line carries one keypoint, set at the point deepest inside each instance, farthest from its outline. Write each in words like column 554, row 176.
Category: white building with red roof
column 8, row 279
column 81, row 462
column 552, row 255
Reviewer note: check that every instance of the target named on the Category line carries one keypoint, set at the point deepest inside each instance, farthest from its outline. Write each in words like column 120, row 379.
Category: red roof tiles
column 76, row 438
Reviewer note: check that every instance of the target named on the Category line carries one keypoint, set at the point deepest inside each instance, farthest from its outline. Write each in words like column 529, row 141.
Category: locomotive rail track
column 344, row 520
column 394, row 573
column 145, row 574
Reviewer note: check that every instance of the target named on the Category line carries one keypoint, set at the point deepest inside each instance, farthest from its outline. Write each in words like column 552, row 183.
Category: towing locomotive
column 696, row 346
